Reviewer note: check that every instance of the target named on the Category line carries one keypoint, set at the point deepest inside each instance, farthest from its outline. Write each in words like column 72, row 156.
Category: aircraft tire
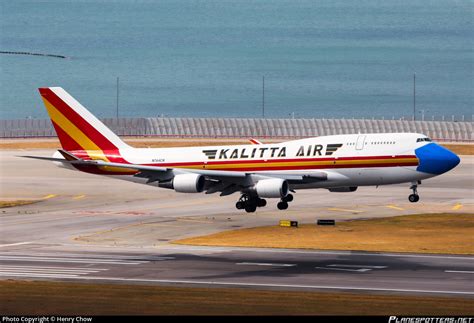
column 261, row 202
column 282, row 205
column 249, row 208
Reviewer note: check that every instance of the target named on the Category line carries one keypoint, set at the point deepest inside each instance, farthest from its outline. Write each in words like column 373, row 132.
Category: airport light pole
column 414, row 96
column 117, row 107
column 263, row 97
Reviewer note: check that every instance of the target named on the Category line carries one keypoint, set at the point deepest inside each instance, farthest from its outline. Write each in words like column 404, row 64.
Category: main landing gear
column 283, row 204
column 414, row 197
column 250, row 203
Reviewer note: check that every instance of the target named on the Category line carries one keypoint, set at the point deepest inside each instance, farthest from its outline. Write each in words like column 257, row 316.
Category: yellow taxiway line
column 344, row 210
column 391, row 206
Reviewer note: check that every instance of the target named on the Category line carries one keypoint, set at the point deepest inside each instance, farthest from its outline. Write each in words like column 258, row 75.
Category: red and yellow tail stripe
column 78, row 130
column 75, row 132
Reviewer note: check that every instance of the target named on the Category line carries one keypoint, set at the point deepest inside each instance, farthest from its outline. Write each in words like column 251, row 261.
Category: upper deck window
column 423, row 139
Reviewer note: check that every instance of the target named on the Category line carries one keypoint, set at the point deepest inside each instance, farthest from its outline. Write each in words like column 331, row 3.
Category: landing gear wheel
column 249, row 208
column 288, row 198
column 250, row 203
column 413, row 198
column 282, row 205
column 261, row 202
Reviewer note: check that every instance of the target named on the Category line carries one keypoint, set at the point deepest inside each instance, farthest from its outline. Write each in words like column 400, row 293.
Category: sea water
column 320, row 59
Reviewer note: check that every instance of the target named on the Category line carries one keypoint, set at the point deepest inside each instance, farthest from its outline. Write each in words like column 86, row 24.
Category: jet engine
column 274, row 187
column 185, row 183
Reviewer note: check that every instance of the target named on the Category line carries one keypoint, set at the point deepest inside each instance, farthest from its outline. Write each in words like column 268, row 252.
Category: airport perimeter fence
column 245, row 128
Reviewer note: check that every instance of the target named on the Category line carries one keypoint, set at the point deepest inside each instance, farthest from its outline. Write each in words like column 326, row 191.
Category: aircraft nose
column 435, row 159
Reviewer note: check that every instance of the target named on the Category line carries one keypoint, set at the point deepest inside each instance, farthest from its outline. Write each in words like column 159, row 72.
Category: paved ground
column 238, row 267
column 120, row 232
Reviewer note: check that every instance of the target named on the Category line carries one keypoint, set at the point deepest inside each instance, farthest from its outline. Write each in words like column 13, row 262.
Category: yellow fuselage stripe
column 300, row 163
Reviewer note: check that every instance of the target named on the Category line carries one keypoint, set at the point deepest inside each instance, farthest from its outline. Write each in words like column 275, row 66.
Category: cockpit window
column 423, row 139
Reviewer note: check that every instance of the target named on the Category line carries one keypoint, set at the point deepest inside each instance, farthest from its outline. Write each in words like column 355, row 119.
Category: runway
column 255, row 268
column 96, row 229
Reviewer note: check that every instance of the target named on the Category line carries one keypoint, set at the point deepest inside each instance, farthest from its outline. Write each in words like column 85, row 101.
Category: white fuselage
column 366, row 159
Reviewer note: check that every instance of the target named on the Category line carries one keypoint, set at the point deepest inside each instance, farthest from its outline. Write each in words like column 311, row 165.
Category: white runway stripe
column 14, row 244
column 52, row 267
column 35, row 275
column 361, row 270
column 91, row 256
column 459, row 271
column 357, row 266
column 47, row 270
column 72, row 260
column 264, row 264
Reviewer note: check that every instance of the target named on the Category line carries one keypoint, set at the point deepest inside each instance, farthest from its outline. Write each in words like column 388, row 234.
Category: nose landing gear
column 413, row 198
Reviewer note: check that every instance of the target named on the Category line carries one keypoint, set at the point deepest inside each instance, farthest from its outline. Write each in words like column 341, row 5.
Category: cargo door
column 360, row 144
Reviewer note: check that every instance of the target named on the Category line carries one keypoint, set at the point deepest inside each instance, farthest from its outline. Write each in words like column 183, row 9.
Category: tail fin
column 76, row 127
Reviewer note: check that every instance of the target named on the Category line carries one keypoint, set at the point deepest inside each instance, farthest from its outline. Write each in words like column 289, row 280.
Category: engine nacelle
column 272, row 188
column 185, row 183
column 343, row 189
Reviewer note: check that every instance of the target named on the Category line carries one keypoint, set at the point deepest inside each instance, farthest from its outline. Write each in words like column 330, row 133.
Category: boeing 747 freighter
column 258, row 171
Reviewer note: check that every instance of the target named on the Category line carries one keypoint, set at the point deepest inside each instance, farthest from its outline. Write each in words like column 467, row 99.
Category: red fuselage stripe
column 265, row 165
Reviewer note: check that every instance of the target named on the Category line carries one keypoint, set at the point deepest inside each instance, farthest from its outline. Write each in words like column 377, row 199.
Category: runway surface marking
column 37, row 275
column 360, row 270
column 316, row 252
column 344, row 210
column 93, row 256
column 357, row 266
column 457, row 207
column 14, row 244
column 78, row 197
column 73, row 260
column 264, row 264
column 47, row 271
column 391, row 206
column 223, row 283
column 459, row 271
column 52, row 268
column 49, row 196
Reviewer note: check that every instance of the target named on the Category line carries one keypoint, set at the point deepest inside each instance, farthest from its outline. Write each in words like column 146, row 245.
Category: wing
column 226, row 182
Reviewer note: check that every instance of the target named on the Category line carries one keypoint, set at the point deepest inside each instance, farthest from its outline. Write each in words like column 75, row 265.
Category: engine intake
column 272, row 188
column 185, row 183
